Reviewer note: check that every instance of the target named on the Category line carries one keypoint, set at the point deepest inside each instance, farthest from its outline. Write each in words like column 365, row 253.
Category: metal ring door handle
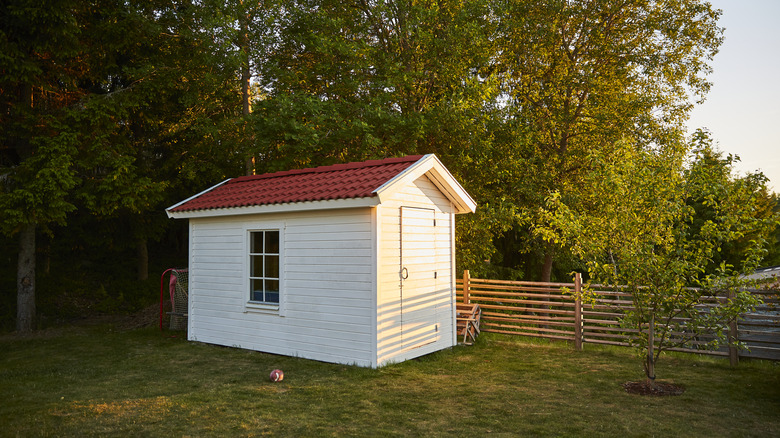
column 404, row 273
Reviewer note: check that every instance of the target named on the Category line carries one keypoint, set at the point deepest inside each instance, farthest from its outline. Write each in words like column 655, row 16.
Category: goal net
column 178, row 289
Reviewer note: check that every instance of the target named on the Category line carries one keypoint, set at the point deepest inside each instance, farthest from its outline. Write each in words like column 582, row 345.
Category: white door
column 418, row 277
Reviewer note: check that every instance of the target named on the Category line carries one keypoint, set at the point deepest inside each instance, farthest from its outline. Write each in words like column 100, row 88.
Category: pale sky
column 742, row 110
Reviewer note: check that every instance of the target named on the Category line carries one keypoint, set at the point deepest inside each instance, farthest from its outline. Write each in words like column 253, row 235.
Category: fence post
column 733, row 337
column 466, row 286
column 578, row 311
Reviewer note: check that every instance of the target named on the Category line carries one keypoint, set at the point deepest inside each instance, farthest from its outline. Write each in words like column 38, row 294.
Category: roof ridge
column 330, row 168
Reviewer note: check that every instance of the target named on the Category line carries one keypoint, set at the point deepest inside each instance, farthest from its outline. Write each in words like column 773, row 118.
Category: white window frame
column 255, row 306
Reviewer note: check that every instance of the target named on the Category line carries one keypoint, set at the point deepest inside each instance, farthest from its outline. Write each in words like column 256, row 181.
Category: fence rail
column 544, row 310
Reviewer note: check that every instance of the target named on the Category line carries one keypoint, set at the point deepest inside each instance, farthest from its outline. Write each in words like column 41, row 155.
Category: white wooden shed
column 351, row 263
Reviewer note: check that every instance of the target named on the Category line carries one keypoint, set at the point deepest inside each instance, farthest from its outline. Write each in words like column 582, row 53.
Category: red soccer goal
column 178, row 281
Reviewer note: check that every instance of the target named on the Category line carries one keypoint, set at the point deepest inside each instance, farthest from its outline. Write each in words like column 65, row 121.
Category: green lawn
column 100, row 381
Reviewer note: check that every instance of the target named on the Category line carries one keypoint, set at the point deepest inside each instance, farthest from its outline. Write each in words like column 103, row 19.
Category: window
column 264, row 267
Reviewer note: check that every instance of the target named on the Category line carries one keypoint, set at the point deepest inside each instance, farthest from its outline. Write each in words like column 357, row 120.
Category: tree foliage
column 100, row 101
column 717, row 192
column 583, row 75
column 112, row 110
column 641, row 233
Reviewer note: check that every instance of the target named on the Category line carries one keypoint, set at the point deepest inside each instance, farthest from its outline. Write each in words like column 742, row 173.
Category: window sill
column 258, row 307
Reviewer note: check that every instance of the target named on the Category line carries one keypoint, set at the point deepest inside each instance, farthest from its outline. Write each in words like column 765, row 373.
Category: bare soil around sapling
column 644, row 387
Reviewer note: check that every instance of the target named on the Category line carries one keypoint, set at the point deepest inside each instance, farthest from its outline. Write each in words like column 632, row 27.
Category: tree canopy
column 112, row 110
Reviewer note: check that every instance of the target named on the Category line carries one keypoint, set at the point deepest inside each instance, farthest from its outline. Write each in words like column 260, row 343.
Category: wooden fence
column 544, row 310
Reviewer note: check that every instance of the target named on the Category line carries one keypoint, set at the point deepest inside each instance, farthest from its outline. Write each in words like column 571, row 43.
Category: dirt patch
column 146, row 317
column 656, row 389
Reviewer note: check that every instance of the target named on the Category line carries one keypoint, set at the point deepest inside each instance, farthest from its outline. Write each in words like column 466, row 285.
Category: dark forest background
column 112, row 110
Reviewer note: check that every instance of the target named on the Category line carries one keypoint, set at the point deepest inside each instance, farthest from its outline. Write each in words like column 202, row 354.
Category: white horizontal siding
column 390, row 346
column 331, row 245
column 326, row 260
column 332, row 236
column 327, row 311
column 327, row 287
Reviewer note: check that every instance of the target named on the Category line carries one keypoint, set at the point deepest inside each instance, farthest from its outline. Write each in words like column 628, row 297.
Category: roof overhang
column 430, row 166
column 275, row 208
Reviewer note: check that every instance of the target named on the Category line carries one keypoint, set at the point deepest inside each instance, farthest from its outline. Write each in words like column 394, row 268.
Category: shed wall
column 391, row 343
column 327, row 305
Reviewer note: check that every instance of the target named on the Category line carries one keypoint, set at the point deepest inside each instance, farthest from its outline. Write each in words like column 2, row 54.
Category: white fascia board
column 439, row 175
column 172, row 215
column 277, row 208
column 444, row 180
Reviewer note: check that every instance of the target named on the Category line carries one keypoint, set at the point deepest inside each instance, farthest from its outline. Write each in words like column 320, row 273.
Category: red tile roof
column 340, row 181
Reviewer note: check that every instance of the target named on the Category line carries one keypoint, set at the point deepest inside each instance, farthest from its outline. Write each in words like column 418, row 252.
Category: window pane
column 256, row 270
column 272, row 291
column 271, row 267
column 256, row 290
column 272, row 242
column 256, row 238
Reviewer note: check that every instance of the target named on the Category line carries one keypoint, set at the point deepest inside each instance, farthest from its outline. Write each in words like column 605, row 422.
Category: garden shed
column 350, row 263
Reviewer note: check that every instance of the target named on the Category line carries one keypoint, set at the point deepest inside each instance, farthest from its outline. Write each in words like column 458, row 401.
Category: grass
column 99, row 381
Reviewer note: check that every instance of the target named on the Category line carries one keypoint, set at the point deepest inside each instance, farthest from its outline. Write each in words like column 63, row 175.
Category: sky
column 742, row 110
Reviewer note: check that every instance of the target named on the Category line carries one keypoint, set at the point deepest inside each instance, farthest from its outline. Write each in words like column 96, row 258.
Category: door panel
column 418, row 277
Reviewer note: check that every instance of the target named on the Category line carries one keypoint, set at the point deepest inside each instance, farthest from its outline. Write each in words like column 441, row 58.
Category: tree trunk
column 547, row 268
column 250, row 159
column 246, row 76
column 650, row 360
column 246, row 107
column 142, row 253
column 47, row 260
column 25, row 278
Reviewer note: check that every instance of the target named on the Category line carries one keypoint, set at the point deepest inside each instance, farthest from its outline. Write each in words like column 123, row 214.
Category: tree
column 580, row 76
column 37, row 87
column 114, row 109
column 773, row 254
column 715, row 187
column 378, row 79
column 102, row 109
column 512, row 95
column 171, row 93
column 640, row 234
column 381, row 79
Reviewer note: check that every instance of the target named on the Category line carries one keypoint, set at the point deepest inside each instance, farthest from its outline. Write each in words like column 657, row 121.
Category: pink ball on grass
column 277, row 375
